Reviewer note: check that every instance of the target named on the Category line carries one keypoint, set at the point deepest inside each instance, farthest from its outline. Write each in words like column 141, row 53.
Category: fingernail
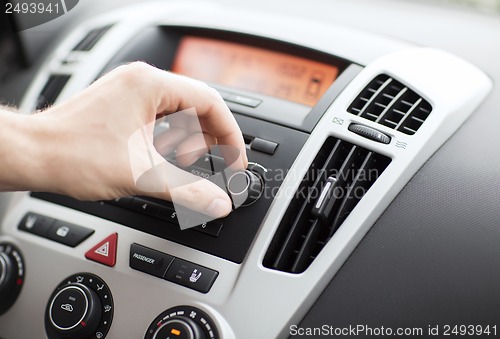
column 219, row 208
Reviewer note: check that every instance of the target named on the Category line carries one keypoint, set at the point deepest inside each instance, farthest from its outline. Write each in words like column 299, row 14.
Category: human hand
column 84, row 147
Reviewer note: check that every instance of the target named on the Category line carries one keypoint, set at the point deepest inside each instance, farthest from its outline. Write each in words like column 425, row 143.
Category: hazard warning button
column 105, row 251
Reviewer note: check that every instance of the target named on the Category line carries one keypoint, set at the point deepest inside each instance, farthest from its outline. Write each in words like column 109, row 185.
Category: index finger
column 180, row 93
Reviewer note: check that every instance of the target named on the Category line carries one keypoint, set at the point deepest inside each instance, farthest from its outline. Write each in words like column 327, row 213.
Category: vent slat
column 410, row 104
column 391, row 122
column 311, row 219
column 409, row 129
column 371, row 169
column 51, row 90
column 305, row 254
column 392, row 104
column 382, row 83
column 91, row 39
column 348, row 199
column 409, row 113
column 296, row 230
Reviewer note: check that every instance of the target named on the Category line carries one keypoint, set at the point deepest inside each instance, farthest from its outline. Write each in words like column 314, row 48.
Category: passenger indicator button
column 149, row 261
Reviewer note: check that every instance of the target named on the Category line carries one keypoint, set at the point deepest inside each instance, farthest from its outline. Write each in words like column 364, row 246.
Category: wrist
column 22, row 153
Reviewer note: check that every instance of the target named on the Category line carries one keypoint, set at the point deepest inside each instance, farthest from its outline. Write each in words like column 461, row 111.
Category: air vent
column 91, row 39
column 51, row 91
column 338, row 178
column 390, row 103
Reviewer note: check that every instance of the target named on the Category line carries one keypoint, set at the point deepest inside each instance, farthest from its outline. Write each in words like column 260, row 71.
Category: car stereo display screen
column 254, row 69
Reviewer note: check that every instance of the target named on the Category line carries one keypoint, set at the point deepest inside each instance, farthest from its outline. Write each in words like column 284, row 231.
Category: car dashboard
column 336, row 122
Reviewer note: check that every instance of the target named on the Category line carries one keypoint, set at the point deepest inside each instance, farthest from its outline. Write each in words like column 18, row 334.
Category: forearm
column 19, row 152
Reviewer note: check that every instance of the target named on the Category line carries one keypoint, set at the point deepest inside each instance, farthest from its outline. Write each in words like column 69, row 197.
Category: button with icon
column 191, row 275
column 68, row 234
column 36, row 224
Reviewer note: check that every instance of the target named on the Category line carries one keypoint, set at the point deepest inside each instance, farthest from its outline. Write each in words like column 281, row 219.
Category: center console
column 335, row 123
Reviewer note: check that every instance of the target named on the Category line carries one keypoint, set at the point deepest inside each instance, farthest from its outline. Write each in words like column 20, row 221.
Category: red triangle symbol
column 105, row 251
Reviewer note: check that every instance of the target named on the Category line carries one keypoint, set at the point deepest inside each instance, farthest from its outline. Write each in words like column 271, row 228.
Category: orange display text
column 254, row 69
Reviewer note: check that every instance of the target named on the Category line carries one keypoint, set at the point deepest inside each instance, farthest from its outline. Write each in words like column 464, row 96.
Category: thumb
column 165, row 181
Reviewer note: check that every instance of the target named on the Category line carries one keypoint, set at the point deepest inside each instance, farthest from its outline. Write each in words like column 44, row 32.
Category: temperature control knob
column 11, row 275
column 179, row 328
column 182, row 322
column 80, row 308
column 75, row 311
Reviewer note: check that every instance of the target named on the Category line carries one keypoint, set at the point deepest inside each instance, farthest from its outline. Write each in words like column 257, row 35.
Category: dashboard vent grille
column 87, row 43
column 51, row 90
column 392, row 104
column 336, row 181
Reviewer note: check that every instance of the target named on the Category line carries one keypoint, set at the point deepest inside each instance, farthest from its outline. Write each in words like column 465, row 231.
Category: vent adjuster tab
column 329, row 195
column 370, row 133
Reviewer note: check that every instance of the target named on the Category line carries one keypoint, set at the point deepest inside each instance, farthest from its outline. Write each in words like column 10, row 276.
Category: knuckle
column 139, row 66
column 133, row 73
column 213, row 94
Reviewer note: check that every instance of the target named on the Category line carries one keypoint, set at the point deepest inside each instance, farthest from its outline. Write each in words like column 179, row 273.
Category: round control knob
column 80, row 308
column 75, row 311
column 6, row 271
column 245, row 187
column 179, row 328
column 182, row 322
column 11, row 275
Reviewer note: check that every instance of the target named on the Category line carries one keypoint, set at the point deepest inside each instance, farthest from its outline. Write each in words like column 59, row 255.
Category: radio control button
column 264, row 146
column 168, row 213
column 144, row 207
column 122, row 202
column 245, row 188
column 212, row 228
column 242, row 100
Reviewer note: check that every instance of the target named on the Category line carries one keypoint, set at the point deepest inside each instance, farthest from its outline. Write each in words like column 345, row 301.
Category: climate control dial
column 11, row 275
column 182, row 322
column 80, row 308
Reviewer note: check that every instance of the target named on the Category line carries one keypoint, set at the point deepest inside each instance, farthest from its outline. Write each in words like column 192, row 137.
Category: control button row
column 165, row 213
column 173, row 269
column 56, row 230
